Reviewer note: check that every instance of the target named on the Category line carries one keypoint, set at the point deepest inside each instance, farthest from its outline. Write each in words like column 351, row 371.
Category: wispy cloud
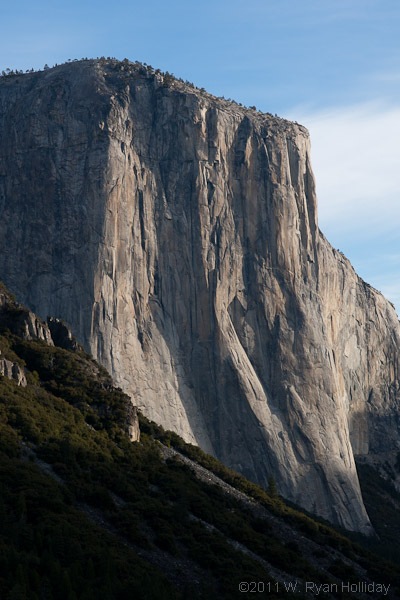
column 356, row 162
column 388, row 77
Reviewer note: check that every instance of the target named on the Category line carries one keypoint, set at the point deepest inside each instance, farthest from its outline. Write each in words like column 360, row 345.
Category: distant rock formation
column 177, row 234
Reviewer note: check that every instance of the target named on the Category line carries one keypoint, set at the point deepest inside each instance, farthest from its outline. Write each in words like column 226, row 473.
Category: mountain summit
column 177, row 234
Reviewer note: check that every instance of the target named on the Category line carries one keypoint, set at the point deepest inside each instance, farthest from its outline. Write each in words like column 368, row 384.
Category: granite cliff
column 177, row 235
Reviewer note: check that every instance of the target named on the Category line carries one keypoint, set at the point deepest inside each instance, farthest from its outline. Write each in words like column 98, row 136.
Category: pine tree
column 272, row 489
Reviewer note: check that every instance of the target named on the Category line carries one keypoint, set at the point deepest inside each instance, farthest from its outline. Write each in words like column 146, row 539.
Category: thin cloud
column 389, row 77
column 356, row 162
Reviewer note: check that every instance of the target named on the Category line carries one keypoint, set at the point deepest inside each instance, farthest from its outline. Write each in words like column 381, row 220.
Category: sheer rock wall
column 177, row 234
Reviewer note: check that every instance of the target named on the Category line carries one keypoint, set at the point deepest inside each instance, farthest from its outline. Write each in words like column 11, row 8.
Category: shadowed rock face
column 177, row 235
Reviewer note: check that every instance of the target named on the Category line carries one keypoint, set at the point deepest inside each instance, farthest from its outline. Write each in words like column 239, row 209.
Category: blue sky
column 332, row 65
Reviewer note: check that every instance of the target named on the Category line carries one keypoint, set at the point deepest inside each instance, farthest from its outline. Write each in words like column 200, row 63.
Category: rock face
column 12, row 371
column 177, row 234
column 132, row 419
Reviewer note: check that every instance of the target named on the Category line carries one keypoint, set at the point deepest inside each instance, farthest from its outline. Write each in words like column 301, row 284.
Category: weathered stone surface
column 12, row 371
column 133, row 423
column 177, row 234
column 18, row 375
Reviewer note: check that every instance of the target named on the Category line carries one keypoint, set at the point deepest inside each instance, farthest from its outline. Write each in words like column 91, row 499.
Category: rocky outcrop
column 21, row 321
column 61, row 334
column 177, row 234
column 132, row 423
column 12, row 371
